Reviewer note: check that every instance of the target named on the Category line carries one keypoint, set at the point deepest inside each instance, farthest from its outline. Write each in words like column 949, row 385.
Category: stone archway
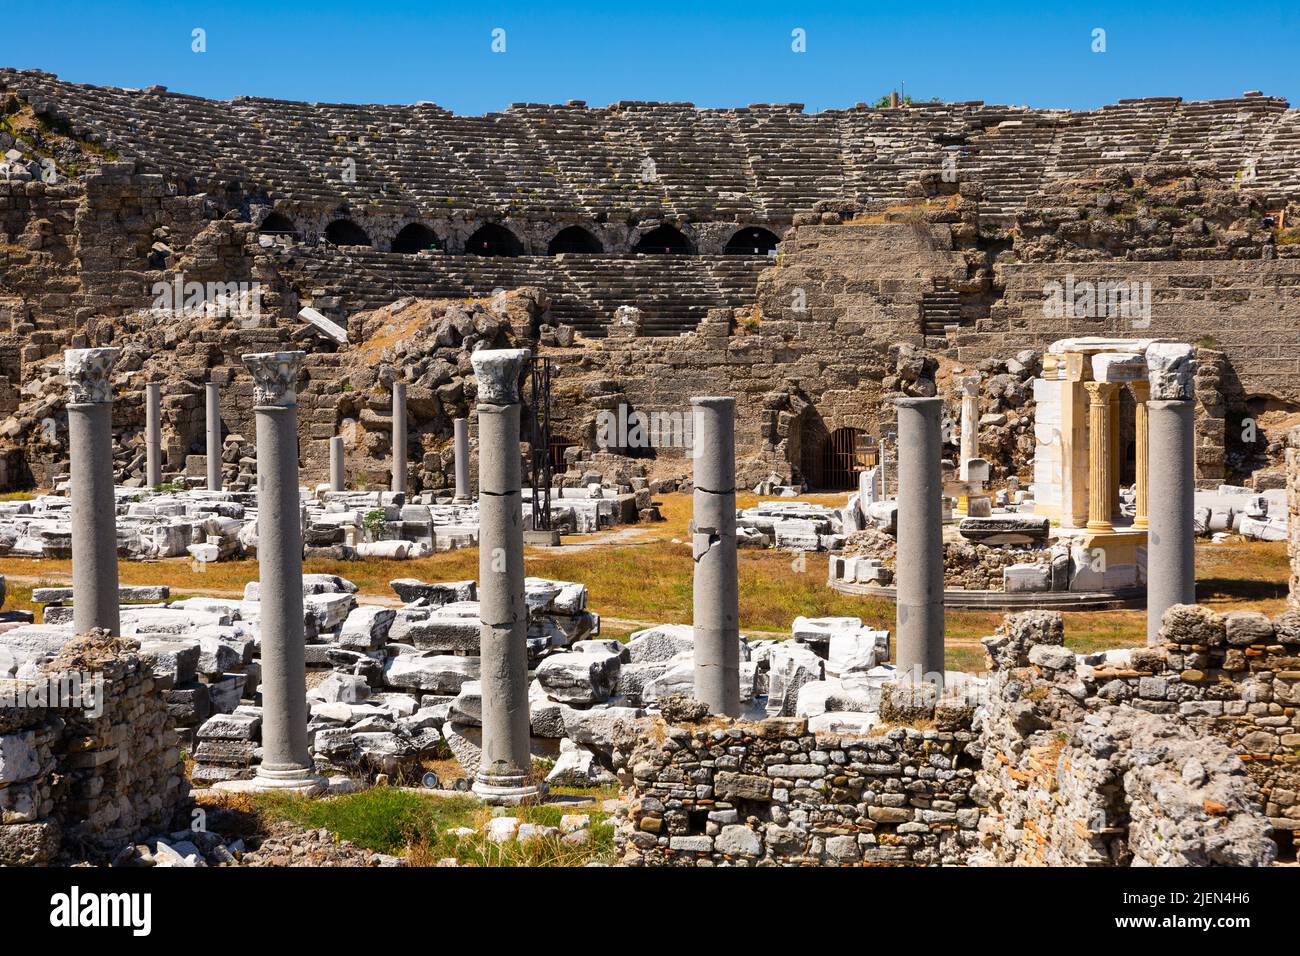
column 752, row 241
column 278, row 224
column 345, row 232
column 838, row 460
column 574, row 239
column 415, row 237
column 492, row 239
column 664, row 240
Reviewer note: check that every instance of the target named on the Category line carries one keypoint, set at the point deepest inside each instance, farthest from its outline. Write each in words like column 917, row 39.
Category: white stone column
column 969, row 386
column 152, row 435
column 338, row 464
column 919, row 564
column 94, row 510
column 286, row 760
column 399, row 437
column 716, row 592
column 1171, row 445
column 505, row 774
column 212, row 404
column 460, row 433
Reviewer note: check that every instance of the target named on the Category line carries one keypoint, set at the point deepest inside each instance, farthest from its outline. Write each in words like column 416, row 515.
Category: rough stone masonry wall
column 76, row 785
column 1184, row 754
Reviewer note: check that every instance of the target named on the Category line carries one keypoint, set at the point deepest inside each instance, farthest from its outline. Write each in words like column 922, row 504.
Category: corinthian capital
column 274, row 376
column 88, row 371
column 497, row 373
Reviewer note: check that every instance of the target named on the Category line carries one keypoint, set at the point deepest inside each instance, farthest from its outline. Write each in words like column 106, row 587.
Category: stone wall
column 1293, row 514
column 83, row 780
column 1183, row 754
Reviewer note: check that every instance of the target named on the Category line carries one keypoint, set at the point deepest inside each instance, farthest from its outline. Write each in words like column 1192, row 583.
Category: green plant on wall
column 374, row 522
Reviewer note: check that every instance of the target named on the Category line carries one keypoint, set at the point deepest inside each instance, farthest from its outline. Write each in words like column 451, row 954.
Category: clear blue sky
column 719, row 54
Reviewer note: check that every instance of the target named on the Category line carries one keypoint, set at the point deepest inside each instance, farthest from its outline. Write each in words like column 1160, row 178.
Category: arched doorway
column 573, row 239
column 493, row 240
column 664, row 240
column 839, row 469
column 754, row 241
column 277, row 224
column 415, row 237
column 345, row 232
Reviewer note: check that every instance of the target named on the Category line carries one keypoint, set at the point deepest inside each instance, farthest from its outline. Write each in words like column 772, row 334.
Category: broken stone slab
column 311, row 584
column 366, row 628
column 660, row 643
column 791, row 665
column 231, row 727
column 856, row 651
column 1026, row 578
column 331, row 330
column 126, row 593
column 597, row 726
column 411, row 590
column 439, row 673
column 579, row 678
column 578, row 766
column 1006, row 529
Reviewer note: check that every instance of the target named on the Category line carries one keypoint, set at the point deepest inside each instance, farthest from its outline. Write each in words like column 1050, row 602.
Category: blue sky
column 720, row 54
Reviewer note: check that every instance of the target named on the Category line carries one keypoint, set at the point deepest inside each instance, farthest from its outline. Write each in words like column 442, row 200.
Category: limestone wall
column 1293, row 513
column 87, row 779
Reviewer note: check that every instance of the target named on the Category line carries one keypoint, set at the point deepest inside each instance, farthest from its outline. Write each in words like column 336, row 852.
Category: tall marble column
column 970, row 421
column 338, row 465
column 1141, row 393
column 1100, row 463
column 716, row 589
column 919, row 574
column 1171, row 444
column 399, row 437
column 152, row 435
column 212, row 405
column 460, row 433
column 286, row 760
column 94, row 511
column 505, row 774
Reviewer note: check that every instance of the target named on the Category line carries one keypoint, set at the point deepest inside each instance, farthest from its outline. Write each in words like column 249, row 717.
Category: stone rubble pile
column 1232, row 509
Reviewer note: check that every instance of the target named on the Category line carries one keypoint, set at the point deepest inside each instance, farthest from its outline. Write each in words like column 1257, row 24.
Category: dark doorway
column 277, row 224
column 665, row 240
column 415, row 237
column 345, row 232
column 839, row 462
column 494, row 240
column 753, row 241
column 558, row 447
column 573, row 239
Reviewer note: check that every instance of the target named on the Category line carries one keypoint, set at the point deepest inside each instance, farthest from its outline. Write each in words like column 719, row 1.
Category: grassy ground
column 416, row 826
column 642, row 574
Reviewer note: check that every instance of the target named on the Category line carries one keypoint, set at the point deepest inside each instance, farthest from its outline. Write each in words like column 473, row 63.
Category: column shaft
column 338, row 471
column 715, row 590
column 212, row 404
column 399, row 437
column 1171, row 541
column 94, row 517
column 152, row 435
column 1141, row 392
column 460, row 433
column 1099, row 456
column 919, row 565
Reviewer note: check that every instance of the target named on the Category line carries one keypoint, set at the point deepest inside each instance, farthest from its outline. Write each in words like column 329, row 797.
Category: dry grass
column 642, row 573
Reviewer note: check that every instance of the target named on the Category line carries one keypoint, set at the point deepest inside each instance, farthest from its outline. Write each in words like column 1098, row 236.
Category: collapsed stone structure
column 902, row 225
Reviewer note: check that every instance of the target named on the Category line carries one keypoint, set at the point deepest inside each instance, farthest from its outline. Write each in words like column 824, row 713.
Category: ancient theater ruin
column 894, row 365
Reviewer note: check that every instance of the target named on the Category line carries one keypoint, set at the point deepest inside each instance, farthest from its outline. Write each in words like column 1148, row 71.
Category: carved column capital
column 497, row 373
column 88, row 371
column 275, row 375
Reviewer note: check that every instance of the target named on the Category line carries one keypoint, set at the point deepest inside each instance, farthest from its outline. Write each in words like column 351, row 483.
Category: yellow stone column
column 1115, row 455
column 1141, row 392
column 1100, row 462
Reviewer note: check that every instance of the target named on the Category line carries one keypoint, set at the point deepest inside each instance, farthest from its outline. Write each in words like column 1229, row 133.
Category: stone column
column 286, row 761
column 715, row 590
column 1141, row 392
column 970, row 421
column 1099, row 459
column 919, row 574
column 212, row 402
column 1116, row 455
column 399, row 437
column 460, row 433
column 1171, row 445
column 94, row 511
column 338, row 473
column 152, row 435
column 505, row 772
column 884, row 482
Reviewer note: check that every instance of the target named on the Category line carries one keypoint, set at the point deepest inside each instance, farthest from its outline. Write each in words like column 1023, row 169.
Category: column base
column 508, row 790
column 462, row 500
column 301, row 781
column 1100, row 527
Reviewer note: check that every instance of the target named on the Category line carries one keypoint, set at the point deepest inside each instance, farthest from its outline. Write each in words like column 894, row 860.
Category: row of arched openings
column 496, row 240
